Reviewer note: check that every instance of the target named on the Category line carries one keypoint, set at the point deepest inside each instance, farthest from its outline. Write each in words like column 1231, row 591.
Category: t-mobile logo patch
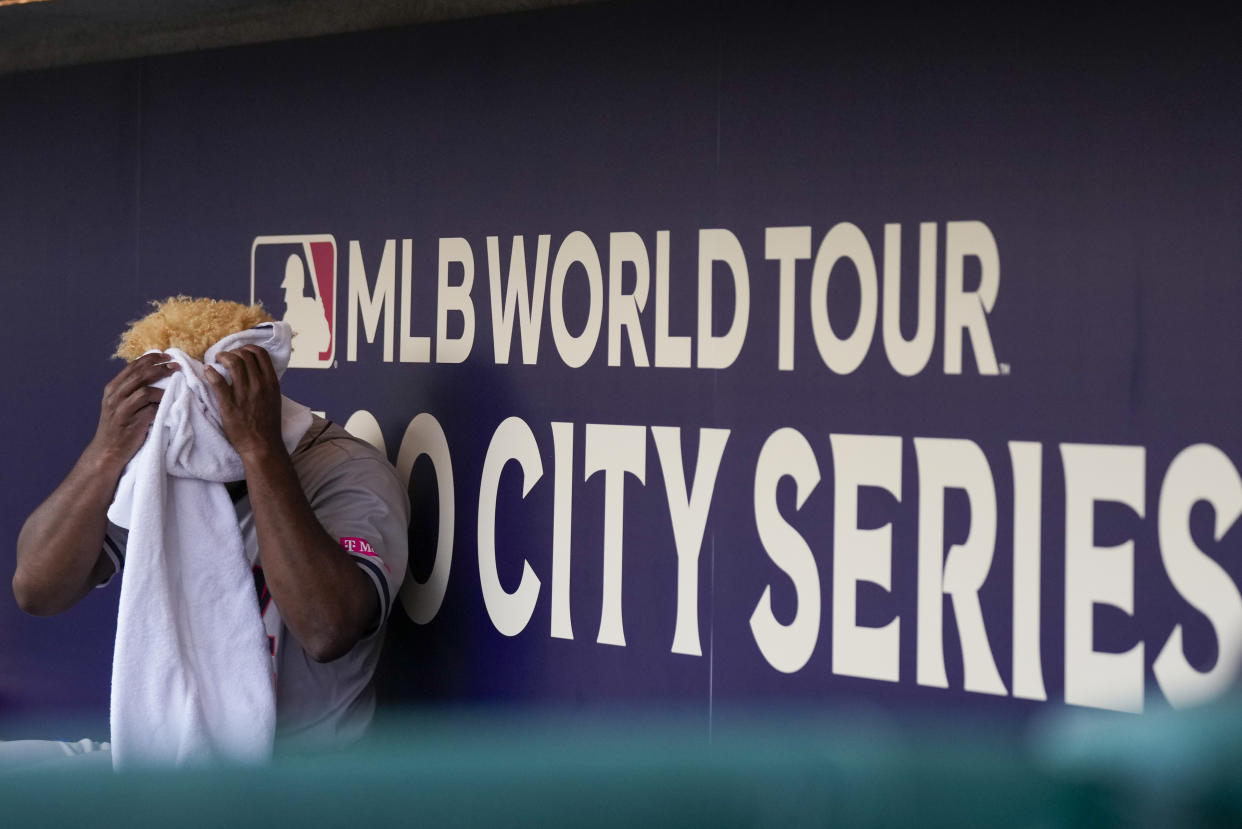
column 358, row 545
column 295, row 279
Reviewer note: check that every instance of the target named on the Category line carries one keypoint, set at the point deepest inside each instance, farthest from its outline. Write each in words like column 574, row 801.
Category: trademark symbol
column 1004, row 369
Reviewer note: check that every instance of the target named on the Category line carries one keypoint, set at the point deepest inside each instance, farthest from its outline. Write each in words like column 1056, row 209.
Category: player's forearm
column 59, row 548
column 324, row 599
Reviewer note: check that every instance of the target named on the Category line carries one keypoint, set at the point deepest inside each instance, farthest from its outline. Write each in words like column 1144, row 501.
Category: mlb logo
column 295, row 279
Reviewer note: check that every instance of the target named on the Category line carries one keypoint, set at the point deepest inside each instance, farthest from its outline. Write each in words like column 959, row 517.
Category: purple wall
column 1098, row 164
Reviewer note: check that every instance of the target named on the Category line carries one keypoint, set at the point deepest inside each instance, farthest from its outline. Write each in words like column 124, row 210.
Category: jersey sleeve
column 364, row 507
column 115, row 539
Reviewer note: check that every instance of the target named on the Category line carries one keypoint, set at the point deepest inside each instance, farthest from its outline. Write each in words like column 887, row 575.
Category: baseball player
column 325, row 526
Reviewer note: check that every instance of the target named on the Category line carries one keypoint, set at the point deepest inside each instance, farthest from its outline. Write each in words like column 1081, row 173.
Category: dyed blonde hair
column 191, row 324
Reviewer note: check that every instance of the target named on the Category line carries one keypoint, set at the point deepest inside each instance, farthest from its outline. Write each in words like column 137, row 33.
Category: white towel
column 192, row 677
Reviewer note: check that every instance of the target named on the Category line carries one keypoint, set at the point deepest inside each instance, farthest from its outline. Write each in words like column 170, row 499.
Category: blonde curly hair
column 192, row 324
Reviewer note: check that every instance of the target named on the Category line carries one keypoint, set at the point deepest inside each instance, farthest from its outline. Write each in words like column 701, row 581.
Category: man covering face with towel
column 262, row 547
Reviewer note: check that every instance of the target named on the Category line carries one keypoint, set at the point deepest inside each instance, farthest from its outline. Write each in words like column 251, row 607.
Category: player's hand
column 128, row 407
column 250, row 405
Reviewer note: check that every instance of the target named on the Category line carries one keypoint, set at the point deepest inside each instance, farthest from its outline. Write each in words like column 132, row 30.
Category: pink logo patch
column 358, row 545
column 363, row 548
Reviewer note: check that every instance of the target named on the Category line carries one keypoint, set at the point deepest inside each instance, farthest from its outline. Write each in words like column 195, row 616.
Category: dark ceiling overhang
column 41, row 35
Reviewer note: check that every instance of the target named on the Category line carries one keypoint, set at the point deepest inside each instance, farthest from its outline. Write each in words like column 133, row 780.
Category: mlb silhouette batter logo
column 295, row 279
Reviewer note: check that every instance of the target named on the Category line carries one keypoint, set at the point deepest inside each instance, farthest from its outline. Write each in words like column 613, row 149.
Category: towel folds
column 192, row 675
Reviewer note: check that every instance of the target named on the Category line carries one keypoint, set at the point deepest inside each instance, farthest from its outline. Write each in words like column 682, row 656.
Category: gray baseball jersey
column 360, row 501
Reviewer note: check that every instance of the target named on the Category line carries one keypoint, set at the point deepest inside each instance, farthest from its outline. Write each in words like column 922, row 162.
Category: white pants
column 40, row 754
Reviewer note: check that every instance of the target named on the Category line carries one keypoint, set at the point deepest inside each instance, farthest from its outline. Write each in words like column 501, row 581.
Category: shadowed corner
column 428, row 664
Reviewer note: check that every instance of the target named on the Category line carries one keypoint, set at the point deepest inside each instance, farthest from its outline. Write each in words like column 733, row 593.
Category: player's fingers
column 266, row 369
column 225, row 390
column 138, row 364
column 138, row 399
column 259, row 364
column 253, row 376
column 143, row 417
column 145, row 370
column 229, row 360
column 157, row 368
column 219, row 386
